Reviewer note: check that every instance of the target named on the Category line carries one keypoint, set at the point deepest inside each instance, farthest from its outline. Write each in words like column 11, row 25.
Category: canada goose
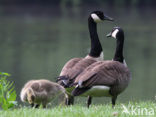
column 37, row 92
column 76, row 65
column 105, row 78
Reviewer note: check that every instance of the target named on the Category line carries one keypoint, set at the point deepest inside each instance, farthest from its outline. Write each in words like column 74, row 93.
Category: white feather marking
column 101, row 56
column 124, row 62
column 102, row 87
column 65, row 82
column 77, row 85
column 115, row 33
column 96, row 18
column 98, row 91
column 80, row 84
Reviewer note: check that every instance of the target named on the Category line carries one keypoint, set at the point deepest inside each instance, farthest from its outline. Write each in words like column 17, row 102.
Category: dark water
column 36, row 42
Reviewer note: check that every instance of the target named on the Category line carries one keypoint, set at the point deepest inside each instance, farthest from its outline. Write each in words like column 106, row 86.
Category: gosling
column 41, row 92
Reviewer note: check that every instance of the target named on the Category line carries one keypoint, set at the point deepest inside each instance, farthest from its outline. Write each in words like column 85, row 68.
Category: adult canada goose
column 37, row 92
column 105, row 78
column 76, row 65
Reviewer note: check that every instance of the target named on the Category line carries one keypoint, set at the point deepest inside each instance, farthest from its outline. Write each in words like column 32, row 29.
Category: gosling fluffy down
column 37, row 92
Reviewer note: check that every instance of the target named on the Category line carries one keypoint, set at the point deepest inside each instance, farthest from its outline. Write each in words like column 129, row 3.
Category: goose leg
column 66, row 101
column 113, row 101
column 72, row 100
column 37, row 106
column 44, row 106
column 89, row 101
column 69, row 100
column 32, row 105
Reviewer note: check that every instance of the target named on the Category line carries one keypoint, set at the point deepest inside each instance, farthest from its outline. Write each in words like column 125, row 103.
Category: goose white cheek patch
column 114, row 33
column 96, row 18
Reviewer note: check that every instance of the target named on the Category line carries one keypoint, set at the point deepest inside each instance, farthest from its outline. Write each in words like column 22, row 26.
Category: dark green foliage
column 7, row 92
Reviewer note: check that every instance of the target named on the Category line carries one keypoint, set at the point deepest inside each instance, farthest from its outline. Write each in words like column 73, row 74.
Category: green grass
column 82, row 111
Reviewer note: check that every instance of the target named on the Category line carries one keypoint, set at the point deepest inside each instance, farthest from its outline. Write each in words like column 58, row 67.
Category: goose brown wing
column 101, row 73
column 75, row 66
column 69, row 65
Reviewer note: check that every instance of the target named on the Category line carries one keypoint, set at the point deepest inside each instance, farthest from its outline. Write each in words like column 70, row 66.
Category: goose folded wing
column 69, row 65
column 73, row 71
column 79, row 67
column 100, row 74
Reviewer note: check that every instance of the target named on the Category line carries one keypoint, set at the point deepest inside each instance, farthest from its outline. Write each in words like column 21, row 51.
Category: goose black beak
column 108, row 18
column 109, row 34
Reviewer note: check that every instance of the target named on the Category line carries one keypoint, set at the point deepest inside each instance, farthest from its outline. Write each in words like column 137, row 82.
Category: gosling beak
column 108, row 18
column 109, row 34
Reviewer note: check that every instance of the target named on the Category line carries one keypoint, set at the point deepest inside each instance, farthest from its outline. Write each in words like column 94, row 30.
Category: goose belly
column 97, row 91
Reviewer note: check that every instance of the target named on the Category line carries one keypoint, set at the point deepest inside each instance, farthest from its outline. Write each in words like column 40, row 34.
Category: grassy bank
column 142, row 109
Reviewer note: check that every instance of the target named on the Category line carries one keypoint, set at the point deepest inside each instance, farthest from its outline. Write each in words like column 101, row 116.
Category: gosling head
column 30, row 96
column 99, row 16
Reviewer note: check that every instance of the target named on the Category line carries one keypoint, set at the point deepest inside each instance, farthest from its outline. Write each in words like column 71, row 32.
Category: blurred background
column 37, row 37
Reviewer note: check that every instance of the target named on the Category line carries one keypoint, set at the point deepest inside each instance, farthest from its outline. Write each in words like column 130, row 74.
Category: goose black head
column 116, row 32
column 99, row 16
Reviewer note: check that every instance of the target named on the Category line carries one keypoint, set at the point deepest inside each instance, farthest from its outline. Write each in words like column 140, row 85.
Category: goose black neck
column 119, row 49
column 96, row 47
